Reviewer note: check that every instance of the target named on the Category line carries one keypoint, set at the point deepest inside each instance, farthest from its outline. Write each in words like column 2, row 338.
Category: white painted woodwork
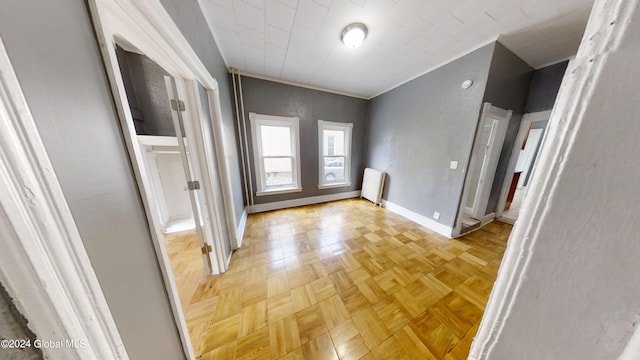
column 420, row 219
column 568, row 286
column 525, row 124
column 293, row 125
column 145, row 25
column 206, row 227
column 276, row 205
column 43, row 262
column 483, row 163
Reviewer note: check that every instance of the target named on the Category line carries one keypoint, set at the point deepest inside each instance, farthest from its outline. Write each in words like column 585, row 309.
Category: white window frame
column 293, row 123
column 347, row 128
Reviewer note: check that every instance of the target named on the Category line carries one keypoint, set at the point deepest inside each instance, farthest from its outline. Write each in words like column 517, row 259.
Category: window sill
column 337, row 185
column 278, row 191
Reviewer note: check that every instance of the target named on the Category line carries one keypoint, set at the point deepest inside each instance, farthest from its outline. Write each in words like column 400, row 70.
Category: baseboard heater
column 372, row 185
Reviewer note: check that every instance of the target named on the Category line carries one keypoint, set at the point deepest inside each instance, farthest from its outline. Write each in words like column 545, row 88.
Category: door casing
column 145, row 25
column 493, row 153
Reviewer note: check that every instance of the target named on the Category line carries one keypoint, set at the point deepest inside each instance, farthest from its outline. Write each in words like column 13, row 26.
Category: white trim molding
column 302, row 201
column 525, row 124
column 43, row 262
column 417, row 218
column 482, row 194
column 346, row 129
column 291, row 122
column 242, row 227
column 332, row 186
column 146, row 25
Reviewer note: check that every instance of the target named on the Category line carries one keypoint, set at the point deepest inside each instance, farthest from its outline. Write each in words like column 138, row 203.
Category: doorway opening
column 488, row 142
column 166, row 157
column 174, row 192
column 192, row 95
column 527, row 146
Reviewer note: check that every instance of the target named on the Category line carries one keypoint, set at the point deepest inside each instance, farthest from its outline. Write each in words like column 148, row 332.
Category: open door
column 484, row 159
column 527, row 146
column 193, row 182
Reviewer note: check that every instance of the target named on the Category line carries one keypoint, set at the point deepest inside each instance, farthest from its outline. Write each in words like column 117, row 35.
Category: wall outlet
column 454, row 165
column 436, row 215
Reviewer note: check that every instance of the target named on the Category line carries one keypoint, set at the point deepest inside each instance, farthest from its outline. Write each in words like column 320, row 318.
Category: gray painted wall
column 136, row 113
column 191, row 22
column 507, row 87
column 57, row 60
column 270, row 98
column 545, row 85
column 147, row 94
column 415, row 130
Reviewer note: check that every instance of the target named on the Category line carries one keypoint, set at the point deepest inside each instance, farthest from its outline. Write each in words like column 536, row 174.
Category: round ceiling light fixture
column 353, row 35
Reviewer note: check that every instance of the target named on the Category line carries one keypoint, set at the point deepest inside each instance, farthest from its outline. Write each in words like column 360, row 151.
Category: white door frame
column 212, row 151
column 525, row 123
column 530, row 151
column 495, row 112
column 490, row 160
column 43, row 262
column 146, row 25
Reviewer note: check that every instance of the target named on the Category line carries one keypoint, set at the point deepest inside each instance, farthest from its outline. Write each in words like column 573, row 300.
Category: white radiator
column 372, row 184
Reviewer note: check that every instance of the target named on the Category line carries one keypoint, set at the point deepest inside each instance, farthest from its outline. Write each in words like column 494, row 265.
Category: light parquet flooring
column 183, row 249
column 342, row 280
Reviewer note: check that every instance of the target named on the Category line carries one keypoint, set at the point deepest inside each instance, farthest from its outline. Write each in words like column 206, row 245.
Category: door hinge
column 193, row 185
column 206, row 249
column 177, row 105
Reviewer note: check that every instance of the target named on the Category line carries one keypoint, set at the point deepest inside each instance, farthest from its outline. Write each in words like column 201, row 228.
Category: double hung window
column 334, row 139
column 276, row 149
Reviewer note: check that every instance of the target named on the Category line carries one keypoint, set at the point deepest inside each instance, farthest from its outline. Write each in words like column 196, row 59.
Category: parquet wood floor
column 342, row 280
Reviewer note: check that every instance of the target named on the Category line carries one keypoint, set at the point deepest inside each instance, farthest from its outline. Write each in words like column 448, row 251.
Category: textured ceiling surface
column 298, row 41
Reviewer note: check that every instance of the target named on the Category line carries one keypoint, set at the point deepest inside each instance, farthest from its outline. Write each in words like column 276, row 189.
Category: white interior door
column 527, row 154
column 484, row 160
column 194, row 185
column 486, row 131
column 214, row 172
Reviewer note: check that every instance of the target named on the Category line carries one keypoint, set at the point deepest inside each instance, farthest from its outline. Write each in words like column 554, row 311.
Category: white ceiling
column 298, row 41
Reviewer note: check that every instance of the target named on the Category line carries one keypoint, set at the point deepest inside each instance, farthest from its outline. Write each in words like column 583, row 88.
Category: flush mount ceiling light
column 353, row 35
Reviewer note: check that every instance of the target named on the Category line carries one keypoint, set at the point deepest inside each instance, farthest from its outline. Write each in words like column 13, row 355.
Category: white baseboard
column 302, row 201
column 488, row 218
column 241, row 227
column 420, row 219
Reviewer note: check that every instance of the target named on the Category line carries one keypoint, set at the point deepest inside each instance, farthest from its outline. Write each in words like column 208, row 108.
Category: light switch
column 454, row 165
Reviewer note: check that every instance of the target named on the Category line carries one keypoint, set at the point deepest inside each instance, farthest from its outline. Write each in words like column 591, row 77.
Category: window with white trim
column 276, row 149
column 334, row 139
